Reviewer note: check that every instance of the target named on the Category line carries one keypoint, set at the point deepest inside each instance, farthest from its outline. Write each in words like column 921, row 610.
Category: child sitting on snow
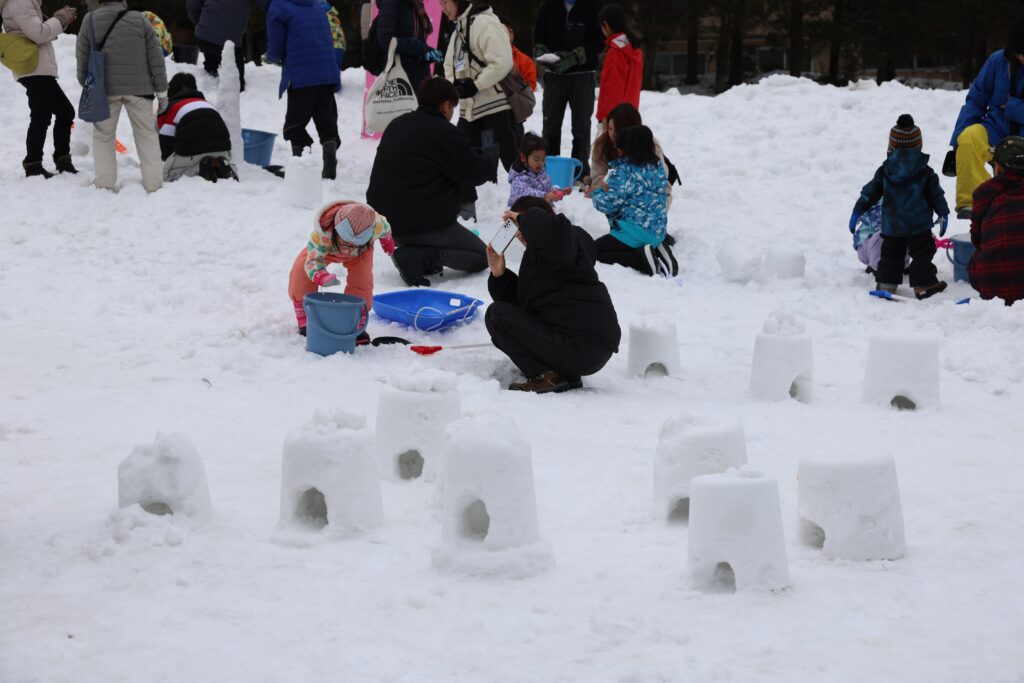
column 911, row 192
column 343, row 233
column 528, row 176
column 634, row 196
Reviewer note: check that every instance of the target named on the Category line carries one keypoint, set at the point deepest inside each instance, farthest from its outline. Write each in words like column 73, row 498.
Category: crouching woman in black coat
column 555, row 319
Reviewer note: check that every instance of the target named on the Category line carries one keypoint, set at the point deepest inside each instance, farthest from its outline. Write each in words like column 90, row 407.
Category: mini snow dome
column 902, row 371
column 489, row 510
column 165, row 478
column 691, row 446
column 851, row 508
column 412, row 414
column 783, row 365
column 652, row 344
column 736, row 540
column 329, row 477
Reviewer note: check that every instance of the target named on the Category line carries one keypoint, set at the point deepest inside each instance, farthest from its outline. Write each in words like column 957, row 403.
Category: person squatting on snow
column 46, row 100
column 479, row 56
column 135, row 75
column 911, row 192
column 529, row 177
column 993, row 110
column 567, row 43
column 422, row 162
column 344, row 233
column 194, row 139
column 622, row 72
column 299, row 40
column 604, row 150
column 555, row 319
column 634, row 197
column 996, row 268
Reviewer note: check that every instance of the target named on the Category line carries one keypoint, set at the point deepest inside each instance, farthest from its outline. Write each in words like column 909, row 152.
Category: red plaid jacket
column 997, row 232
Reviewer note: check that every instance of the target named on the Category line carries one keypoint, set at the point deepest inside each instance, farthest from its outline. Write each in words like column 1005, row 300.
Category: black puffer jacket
column 560, row 31
column 191, row 127
column 557, row 281
column 421, row 165
column 399, row 19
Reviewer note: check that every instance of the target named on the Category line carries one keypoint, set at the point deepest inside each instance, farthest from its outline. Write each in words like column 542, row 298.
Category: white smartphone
column 506, row 233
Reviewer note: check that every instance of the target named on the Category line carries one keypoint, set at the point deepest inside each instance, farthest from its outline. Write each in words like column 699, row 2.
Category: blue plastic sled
column 426, row 310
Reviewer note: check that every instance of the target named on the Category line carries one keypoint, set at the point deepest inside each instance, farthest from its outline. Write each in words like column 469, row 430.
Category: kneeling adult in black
column 421, row 165
column 555, row 319
column 194, row 140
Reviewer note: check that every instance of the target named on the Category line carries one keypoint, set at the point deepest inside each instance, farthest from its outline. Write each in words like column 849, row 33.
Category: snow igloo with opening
column 489, row 508
column 653, row 343
column 902, row 371
column 783, row 365
column 690, row 446
column 329, row 477
column 412, row 414
column 166, row 477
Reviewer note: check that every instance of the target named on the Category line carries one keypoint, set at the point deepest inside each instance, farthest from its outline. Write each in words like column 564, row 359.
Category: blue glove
column 435, row 56
column 854, row 217
column 943, row 224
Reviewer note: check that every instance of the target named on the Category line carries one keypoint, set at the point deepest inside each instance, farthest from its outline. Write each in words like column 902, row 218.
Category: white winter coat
column 25, row 18
column 489, row 42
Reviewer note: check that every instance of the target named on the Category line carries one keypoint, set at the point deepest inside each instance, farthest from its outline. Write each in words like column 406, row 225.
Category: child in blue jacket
column 634, row 197
column 911, row 193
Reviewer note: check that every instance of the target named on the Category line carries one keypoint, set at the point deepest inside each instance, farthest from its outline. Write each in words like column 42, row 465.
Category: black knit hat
column 1015, row 40
column 1010, row 153
column 905, row 135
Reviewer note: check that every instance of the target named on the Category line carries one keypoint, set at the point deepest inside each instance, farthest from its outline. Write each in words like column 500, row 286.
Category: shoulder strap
column 465, row 40
column 99, row 45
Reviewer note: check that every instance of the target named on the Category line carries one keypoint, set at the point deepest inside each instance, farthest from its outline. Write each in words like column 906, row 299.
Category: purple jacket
column 526, row 183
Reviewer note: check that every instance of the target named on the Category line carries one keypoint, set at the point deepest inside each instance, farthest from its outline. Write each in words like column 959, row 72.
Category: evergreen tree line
column 848, row 37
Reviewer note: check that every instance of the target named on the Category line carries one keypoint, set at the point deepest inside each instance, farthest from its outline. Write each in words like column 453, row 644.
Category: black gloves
column 466, row 88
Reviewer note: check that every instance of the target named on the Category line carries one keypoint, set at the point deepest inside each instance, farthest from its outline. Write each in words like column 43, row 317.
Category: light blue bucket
column 962, row 252
column 333, row 321
column 563, row 171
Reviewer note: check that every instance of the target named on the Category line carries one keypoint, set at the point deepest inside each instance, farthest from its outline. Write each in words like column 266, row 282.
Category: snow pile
column 902, row 371
column 303, row 186
column 329, row 476
column 489, row 514
column 736, row 538
column 851, row 508
column 785, row 264
column 166, row 477
column 229, row 101
column 783, row 365
column 411, row 418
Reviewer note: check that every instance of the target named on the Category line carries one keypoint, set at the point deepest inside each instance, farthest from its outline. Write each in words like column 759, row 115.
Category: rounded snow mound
column 425, row 381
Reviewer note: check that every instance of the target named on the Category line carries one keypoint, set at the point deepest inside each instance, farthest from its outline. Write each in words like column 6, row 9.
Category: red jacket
column 997, row 232
column 525, row 66
column 621, row 76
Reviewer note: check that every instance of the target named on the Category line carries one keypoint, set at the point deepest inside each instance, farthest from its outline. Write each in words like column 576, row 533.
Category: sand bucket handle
column 416, row 319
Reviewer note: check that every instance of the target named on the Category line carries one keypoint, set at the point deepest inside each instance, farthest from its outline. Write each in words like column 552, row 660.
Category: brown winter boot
column 548, row 382
column 886, row 288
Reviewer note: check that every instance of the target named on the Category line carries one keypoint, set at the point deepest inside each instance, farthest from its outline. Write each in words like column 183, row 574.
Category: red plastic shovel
column 431, row 350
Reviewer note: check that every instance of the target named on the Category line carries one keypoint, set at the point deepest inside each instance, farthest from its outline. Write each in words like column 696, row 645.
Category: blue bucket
column 962, row 252
column 333, row 322
column 259, row 146
column 563, row 171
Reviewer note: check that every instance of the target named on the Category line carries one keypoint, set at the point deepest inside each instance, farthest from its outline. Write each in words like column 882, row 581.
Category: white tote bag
column 390, row 96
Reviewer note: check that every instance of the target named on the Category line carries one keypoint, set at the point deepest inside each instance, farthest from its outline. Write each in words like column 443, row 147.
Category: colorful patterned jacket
column 526, row 183
column 636, row 202
column 997, row 232
column 320, row 245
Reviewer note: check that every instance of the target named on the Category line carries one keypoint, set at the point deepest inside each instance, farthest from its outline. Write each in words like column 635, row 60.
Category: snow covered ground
column 126, row 315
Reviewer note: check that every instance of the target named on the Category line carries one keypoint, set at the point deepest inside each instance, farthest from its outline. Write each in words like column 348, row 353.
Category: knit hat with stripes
column 905, row 135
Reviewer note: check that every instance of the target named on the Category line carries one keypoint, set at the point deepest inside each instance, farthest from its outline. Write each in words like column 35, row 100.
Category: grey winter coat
column 135, row 62
column 218, row 21
column 25, row 18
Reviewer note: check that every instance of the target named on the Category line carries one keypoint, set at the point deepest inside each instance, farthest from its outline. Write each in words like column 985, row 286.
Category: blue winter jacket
column 989, row 92
column 636, row 202
column 299, row 38
column 911, row 193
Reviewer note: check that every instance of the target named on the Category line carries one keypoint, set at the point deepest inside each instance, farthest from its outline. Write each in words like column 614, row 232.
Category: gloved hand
column 570, row 59
column 435, row 56
column 161, row 102
column 268, row 60
column 325, row 279
column 548, row 58
column 66, row 16
column 387, row 243
column 466, row 88
column 943, row 224
column 854, row 217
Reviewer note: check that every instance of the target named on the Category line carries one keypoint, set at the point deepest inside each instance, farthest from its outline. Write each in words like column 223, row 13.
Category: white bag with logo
column 390, row 96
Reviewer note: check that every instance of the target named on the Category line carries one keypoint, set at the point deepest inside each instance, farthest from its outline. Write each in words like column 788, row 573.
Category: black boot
column 330, row 160
column 34, row 168
column 64, row 164
column 297, row 149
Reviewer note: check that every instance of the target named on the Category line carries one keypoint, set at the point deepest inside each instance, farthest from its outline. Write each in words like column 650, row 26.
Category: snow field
column 126, row 315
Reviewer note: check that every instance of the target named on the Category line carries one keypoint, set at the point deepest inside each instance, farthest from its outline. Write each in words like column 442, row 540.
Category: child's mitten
column 854, row 217
column 325, row 279
column 387, row 243
column 943, row 224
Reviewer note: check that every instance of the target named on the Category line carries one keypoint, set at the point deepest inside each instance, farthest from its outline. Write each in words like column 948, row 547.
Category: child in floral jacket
column 528, row 176
column 344, row 232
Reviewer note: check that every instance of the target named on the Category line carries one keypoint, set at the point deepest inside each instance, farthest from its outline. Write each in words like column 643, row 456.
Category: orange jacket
column 525, row 66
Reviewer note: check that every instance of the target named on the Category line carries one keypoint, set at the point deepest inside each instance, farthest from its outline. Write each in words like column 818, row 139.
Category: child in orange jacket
column 343, row 233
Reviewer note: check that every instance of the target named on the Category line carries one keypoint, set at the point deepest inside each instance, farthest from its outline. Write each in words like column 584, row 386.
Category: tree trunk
column 693, row 17
column 835, row 49
column 736, row 54
column 796, row 37
column 722, row 52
